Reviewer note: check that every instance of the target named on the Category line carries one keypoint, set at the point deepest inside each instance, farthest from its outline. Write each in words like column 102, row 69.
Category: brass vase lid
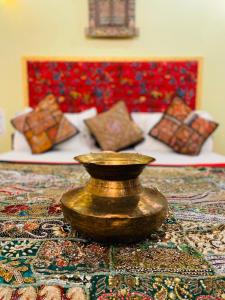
column 113, row 206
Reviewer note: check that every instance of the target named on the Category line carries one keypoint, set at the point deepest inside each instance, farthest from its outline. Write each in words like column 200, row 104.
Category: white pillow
column 147, row 120
column 19, row 141
column 83, row 139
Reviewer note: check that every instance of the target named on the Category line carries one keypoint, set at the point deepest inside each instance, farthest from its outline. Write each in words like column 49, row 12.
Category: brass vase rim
column 114, row 159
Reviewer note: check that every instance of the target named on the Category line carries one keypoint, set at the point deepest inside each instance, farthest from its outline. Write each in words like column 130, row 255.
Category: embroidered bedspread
column 40, row 258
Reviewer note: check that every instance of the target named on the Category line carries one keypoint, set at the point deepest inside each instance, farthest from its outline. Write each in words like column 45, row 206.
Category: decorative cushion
column 115, row 130
column 45, row 126
column 165, row 129
column 178, row 109
column 146, row 121
column 40, row 130
column 202, row 126
column 84, row 140
column 186, row 141
column 190, row 137
column 65, row 131
column 181, row 129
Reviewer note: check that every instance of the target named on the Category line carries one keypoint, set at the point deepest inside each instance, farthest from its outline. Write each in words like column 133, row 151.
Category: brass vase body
column 113, row 206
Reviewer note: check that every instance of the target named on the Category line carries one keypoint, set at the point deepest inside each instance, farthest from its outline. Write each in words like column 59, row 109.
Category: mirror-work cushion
column 181, row 129
column 165, row 129
column 45, row 126
column 178, row 109
column 114, row 129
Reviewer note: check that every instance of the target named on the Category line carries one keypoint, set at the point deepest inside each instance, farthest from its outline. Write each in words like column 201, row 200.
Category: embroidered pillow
column 182, row 130
column 45, row 126
column 190, row 137
column 115, row 130
column 165, row 129
column 178, row 109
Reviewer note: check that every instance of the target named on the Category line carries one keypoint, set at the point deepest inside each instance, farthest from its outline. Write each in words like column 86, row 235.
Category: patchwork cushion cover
column 178, row 109
column 202, row 126
column 40, row 131
column 115, row 130
column 165, row 129
column 45, row 126
column 181, row 129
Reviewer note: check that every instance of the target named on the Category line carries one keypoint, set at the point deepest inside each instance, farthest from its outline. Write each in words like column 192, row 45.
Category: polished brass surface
column 113, row 206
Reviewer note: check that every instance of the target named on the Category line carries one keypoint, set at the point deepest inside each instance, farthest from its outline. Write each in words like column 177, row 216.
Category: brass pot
column 113, row 206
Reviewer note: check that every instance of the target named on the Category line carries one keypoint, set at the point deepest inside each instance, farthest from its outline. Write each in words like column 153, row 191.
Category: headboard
column 146, row 85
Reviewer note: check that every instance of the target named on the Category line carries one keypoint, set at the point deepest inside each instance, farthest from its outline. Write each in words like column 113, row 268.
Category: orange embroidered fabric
column 45, row 126
column 178, row 109
column 182, row 130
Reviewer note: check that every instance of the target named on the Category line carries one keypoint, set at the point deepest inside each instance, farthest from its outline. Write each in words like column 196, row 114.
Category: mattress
column 67, row 157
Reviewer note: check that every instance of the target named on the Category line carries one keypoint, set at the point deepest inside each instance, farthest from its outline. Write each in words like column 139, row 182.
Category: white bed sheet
column 67, row 157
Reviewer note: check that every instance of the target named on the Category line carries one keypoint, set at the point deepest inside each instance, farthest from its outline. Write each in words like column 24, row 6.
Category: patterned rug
column 41, row 258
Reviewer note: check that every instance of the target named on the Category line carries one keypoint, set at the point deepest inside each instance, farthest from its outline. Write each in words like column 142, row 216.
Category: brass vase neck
column 105, row 188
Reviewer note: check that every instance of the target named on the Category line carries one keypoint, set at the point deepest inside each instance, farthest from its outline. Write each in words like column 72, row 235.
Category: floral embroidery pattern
column 42, row 259
column 144, row 86
column 19, row 248
column 71, row 256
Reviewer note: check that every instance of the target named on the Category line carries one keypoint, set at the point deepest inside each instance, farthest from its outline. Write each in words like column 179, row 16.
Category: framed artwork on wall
column 112, row 18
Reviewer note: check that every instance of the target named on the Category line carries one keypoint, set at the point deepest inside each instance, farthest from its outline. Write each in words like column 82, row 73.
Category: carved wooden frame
column 125, row 30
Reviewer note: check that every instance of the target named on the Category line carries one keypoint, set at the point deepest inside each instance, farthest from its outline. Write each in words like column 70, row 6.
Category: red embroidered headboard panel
column 145, row 86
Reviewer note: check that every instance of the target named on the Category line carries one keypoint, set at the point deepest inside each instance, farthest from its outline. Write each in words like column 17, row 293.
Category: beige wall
column 167, row 28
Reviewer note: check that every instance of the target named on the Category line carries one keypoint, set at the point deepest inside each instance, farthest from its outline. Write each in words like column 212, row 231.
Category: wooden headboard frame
column 27, row 59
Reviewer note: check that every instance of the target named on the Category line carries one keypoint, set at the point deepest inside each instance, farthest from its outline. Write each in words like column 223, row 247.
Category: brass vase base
column 113, row 206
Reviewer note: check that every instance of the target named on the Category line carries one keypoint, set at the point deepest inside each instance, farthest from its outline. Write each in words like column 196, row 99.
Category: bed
column 84, row 143
column 41, row 258
column 87, row 86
